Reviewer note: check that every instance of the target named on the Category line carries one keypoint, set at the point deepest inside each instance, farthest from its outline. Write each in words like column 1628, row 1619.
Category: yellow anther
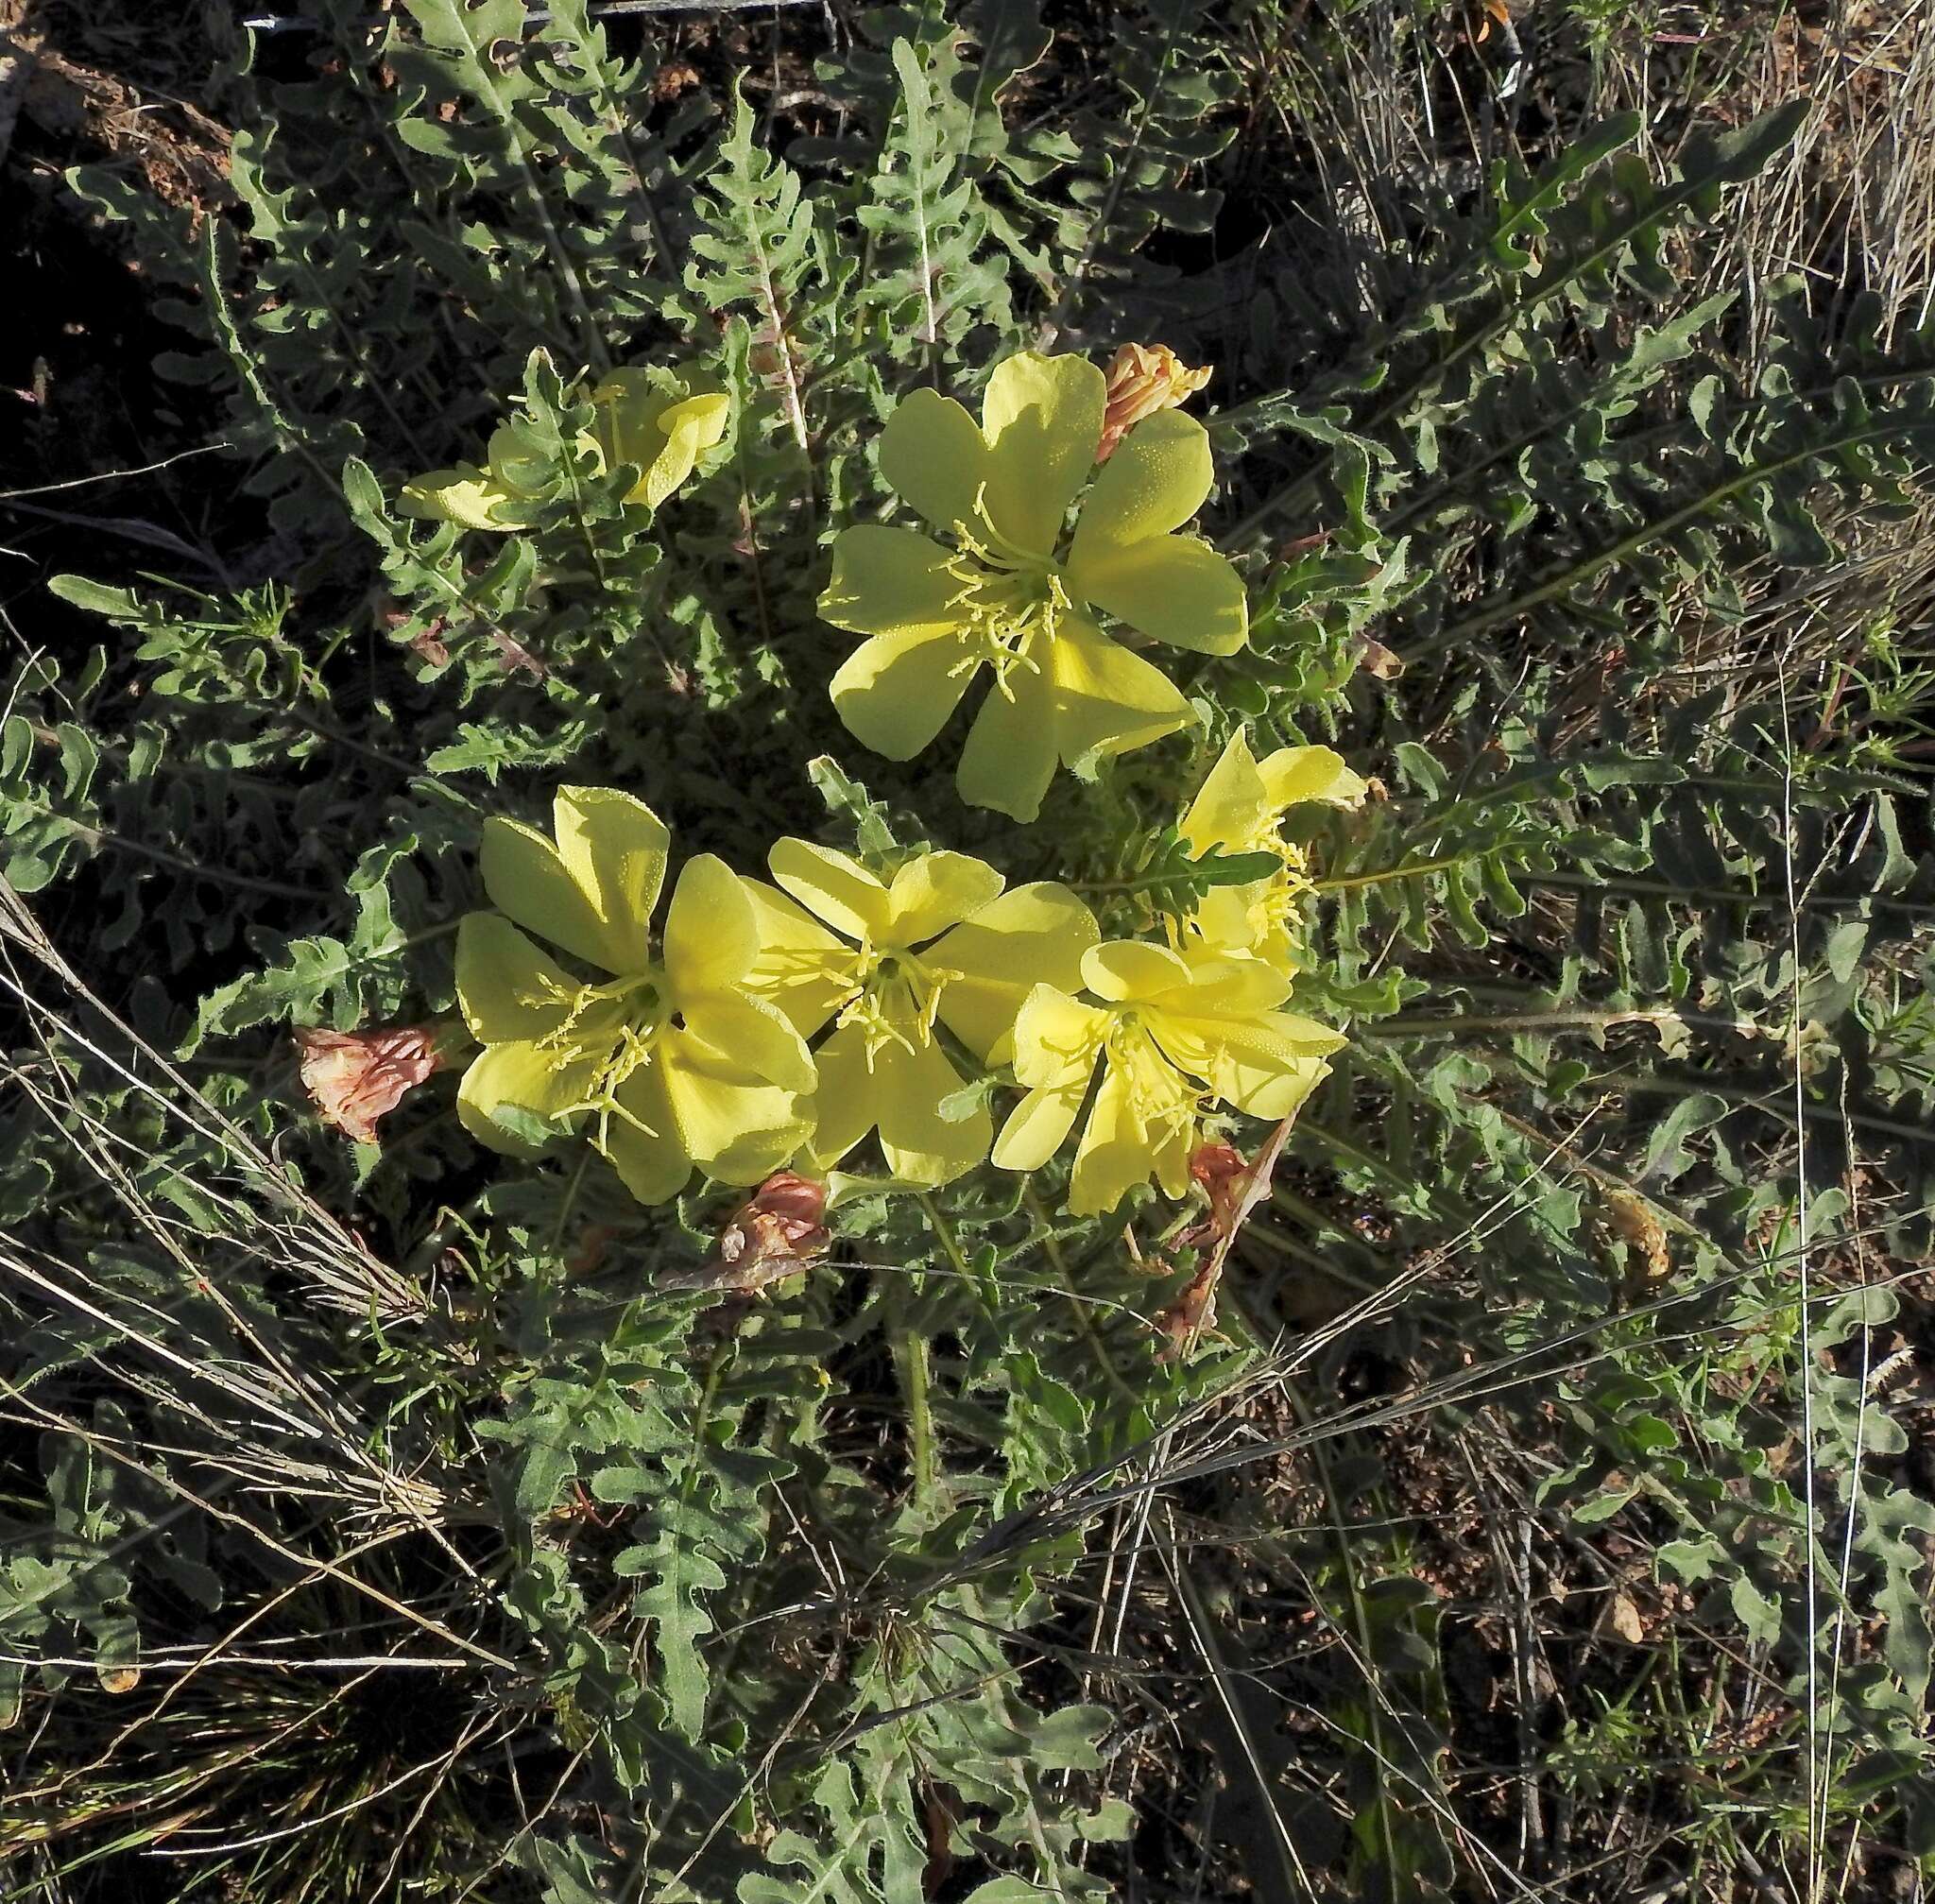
column 896, row 1000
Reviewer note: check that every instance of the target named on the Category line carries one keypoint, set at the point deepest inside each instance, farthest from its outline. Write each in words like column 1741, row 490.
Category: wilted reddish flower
column 1234, row 1185
column 1191, row 1315
column 1224, row 1176
column 1143, row 379
column 513, row 655
column 358, row 1076
column 775, row 1233
column 1223, row 1173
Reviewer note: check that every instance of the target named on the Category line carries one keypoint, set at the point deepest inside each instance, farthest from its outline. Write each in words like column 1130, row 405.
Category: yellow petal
column 645, row 1146
column 711, row 933
column 935, row 891
column 1010, row 755
column 1283, row 1095
column 527, row 1077
column 895, row 692
column 802, row 968
column 1131, row 969
column 614, row 847
column 933, row 456
column 1231, row 807
column 627, row 407
column 843, row 1105
column 1042, row 418
column 1173, row 588
column 464, row 495
column 1154, row 483
column 891, row 582
column 1262, row 1065
column 921, row 1145
column 526, row 878
column 731, row 1124
column 507, row 988
column 1226, row 922
column 833, row 886
column 659, row 425
column 1236, row 987
column 1171, row 1139
column 756, row 1033
column 1116, row 1153
column 692, row 428
column 1291, row 776
column 1106, row 701
column 1034, row 934
column 1056, row 1038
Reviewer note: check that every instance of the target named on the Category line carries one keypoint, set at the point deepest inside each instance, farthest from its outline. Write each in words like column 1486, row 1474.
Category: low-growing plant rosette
column 888, row 963
column 669, row 1057
column 1002, row 590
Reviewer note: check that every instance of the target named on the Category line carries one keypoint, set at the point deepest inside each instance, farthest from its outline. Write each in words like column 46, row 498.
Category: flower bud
column 1143, row 379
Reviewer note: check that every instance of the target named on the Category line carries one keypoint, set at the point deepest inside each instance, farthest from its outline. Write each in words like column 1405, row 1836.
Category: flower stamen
column 894, row 999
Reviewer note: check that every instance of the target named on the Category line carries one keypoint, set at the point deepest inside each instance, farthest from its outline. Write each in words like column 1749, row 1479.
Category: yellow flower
column 942, row 942
column 1173, row 1037
column 1002, row 595
column 657, row 420
column 1238, row 810
column 670, row 1058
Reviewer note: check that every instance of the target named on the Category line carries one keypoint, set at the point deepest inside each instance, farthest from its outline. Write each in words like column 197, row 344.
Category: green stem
column 1713, row 895
column 1488, row 614
column 571, row 1198
column 1355, row 881
column 1404, row 1027
column 216, row 875
column 943, row 1234
column 1058, row 1262
column 1777, row 1101
column 910, row 1363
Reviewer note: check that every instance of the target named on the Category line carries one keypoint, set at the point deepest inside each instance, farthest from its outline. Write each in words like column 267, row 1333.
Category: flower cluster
column 773, row 1025
column 785, row 1022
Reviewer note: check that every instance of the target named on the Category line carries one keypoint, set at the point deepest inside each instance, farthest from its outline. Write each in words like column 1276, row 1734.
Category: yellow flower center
column 1158, row 1093
column 1283, row 894
column 1009, row 602
column 613, row 1028
column 895, row 997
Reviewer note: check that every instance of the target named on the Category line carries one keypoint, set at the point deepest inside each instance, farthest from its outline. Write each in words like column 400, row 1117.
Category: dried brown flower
column 1143, row 379
column 777, row 1232
column 1222, row 1172
column 358, row 1076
